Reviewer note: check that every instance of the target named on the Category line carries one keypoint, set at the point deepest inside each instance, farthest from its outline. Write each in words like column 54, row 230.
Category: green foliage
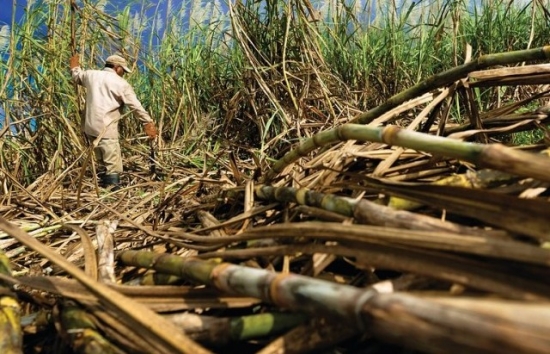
column 527, row 138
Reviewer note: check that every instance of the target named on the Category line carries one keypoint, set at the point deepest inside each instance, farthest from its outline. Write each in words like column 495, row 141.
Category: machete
column 152, row 162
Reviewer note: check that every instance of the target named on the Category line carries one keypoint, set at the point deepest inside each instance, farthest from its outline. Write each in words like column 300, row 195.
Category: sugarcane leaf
column 90, row 257
column 160, row 334
column 523, row 216
column 158, row 298
column 365, row 235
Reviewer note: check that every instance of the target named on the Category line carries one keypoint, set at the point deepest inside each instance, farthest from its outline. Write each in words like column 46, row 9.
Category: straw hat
column 118, row 60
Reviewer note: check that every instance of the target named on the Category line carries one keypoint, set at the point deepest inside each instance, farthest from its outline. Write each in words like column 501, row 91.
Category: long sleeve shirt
column 106, row 95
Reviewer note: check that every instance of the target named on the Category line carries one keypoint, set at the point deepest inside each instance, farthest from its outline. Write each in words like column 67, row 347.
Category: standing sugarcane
column 433, row 325
column 453, row 75
column 493, row 157
column 81, row 331
column 80, row 108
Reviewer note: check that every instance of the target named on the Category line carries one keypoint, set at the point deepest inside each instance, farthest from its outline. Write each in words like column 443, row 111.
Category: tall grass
column 246, row 76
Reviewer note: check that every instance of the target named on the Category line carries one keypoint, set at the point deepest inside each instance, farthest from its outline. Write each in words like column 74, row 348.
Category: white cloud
column 4, row 38
column 100, row 5
column 158, row 23
column 198, row 12
column 137, row 23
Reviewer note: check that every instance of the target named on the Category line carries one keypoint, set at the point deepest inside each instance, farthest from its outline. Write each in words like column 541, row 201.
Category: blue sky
column 7, row 5
column 6, row 12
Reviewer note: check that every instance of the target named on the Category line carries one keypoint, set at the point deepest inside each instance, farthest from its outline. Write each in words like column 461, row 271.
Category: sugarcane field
column 299, row 176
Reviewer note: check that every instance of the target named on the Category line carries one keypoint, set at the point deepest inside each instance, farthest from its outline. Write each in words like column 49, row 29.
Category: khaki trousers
column 108, row 156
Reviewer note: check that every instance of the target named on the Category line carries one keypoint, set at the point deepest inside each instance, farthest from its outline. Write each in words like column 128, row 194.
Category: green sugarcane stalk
column 476, row 180
column 523, row 216
column 452, row 75
column 495, row 156
column 433, row 325
column 364, row 211
column 304, row 196
column 220, row 331
column 268, row 286
column 312, row 337
column 159, row 333
column 154, row 278
column 436, row 265
column 16, row 252
column 24, row 226
column 11, row 338
column 265, row 324
column 361, row 234
column 518, row 215
column 37, row 232
column 82, row 332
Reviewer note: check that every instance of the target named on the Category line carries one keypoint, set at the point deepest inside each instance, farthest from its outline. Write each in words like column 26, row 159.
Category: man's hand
column 151, row 130
column 75, row 61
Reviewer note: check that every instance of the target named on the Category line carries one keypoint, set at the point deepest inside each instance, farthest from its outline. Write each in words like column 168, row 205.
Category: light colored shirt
column 106, row 95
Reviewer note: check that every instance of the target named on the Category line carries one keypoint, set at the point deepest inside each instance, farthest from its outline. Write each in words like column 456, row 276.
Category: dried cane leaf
column 160, row 334
column 523, row 216
column 90, row 258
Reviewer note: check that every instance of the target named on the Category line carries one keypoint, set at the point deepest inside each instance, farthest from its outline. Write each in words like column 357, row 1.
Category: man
column 107, row 92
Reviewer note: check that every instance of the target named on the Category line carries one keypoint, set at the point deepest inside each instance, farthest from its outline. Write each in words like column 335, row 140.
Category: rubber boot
column 100, row 177
column 111, row 181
